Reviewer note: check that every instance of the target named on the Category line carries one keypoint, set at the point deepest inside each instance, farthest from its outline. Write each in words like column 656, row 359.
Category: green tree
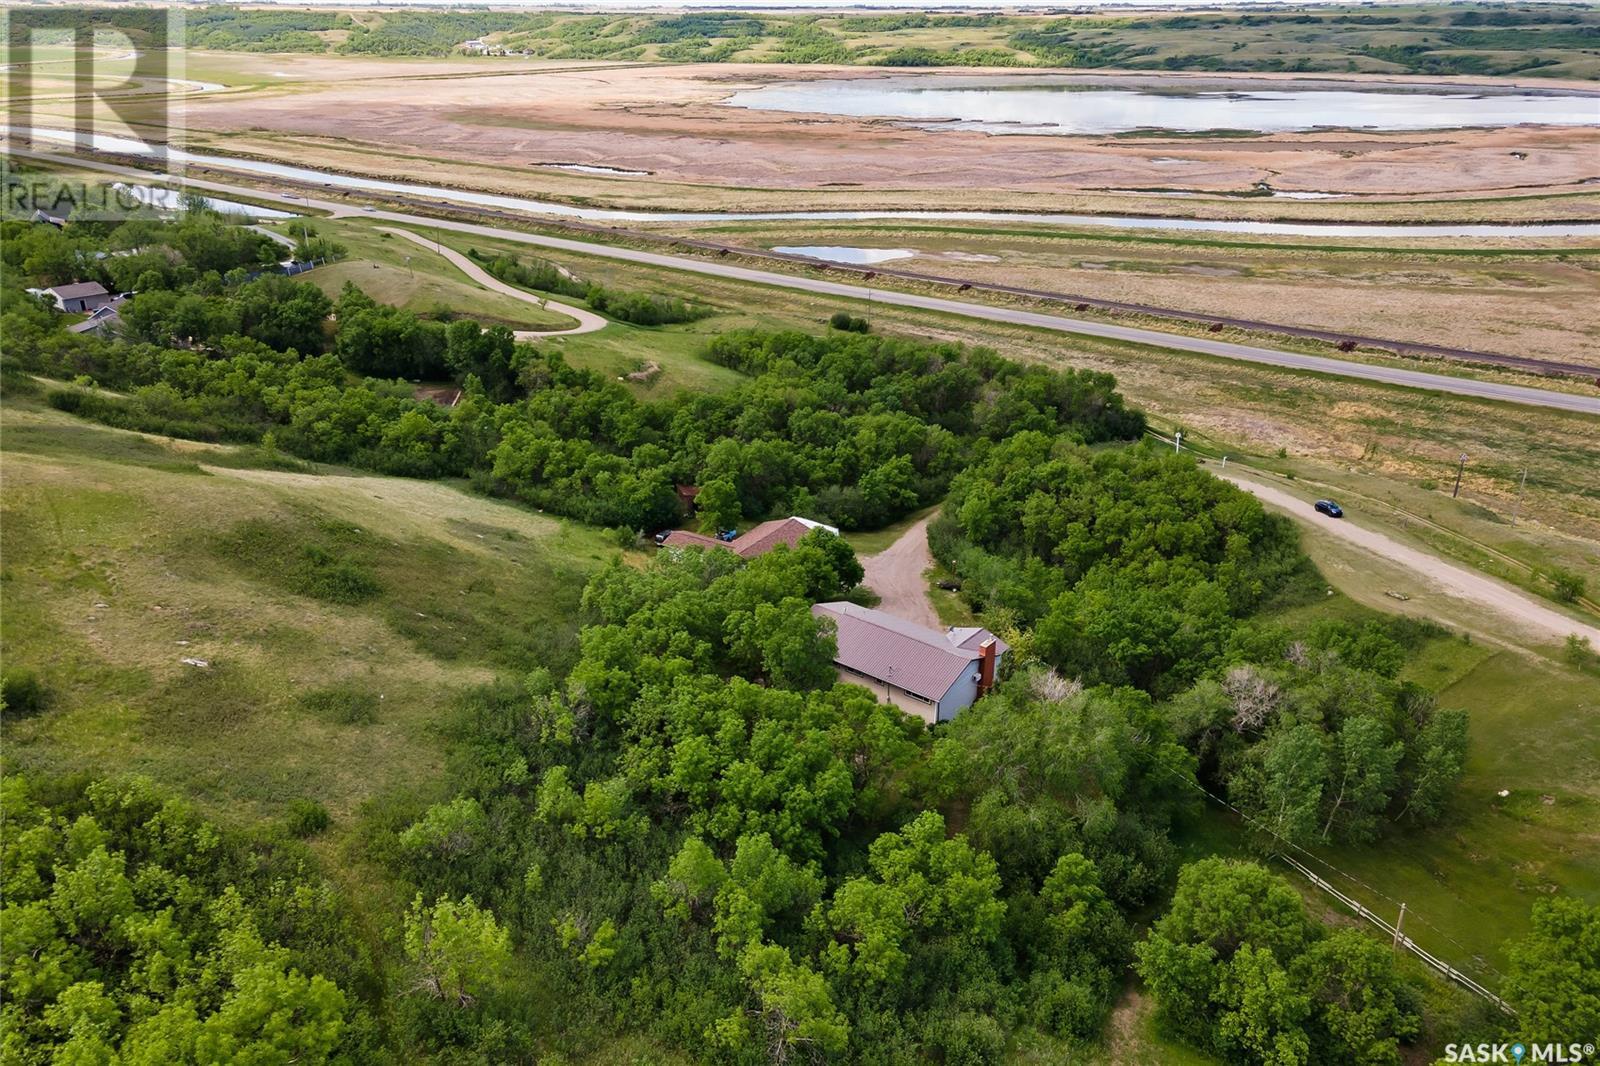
column 1238, row 968
column 692, row 880
column 1363, row 775
column 1285, row 794
column 796, row 1010
column 719, row 507
column 1554, row 977
column 1358, row 1005
column 1438, row 757
column 923, row 885
column 458, row 952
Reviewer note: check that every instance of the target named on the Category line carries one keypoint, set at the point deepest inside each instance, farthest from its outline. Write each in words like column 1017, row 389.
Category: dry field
column 494, row 126
column 1534, row 304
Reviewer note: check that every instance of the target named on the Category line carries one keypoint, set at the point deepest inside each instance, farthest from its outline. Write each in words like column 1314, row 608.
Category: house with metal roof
column 102, row 320
column 922, row 671
column 758, row 541
column 79, row 296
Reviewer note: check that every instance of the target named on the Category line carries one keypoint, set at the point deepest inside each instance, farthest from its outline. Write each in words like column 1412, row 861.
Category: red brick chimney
column 986, row 660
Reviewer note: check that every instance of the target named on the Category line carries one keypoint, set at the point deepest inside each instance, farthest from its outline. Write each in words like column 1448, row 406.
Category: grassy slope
column 622, row 348
column 178, row 550
column 378, row 264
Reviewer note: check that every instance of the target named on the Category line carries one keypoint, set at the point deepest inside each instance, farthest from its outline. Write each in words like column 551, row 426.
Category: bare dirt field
column 501, row 126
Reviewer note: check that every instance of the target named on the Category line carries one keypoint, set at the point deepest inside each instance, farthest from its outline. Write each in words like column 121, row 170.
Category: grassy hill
column 339, row 616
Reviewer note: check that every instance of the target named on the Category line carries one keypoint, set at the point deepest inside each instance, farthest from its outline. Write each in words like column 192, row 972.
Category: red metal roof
column 757, row 541
column 919, row 660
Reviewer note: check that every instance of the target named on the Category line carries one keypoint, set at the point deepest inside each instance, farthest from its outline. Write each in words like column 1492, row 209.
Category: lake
column 835, row 253
column 1077, row 105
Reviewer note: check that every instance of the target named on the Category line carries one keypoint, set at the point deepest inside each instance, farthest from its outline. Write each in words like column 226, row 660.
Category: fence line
column 1399, row 938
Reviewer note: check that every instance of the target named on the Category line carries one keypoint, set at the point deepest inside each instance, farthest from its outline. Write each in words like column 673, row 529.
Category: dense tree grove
column 1132, row 565
column 851, row 429
column 697, row 835
column 1238, row 967
column 809, row 896
column 132, row 928
column 1315, row 742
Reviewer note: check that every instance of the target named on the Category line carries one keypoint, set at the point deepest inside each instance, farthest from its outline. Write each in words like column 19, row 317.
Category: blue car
column 728, row 534
column 1329, row 508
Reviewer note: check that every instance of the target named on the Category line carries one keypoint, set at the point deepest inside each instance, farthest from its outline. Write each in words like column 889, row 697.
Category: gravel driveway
column 896, row 575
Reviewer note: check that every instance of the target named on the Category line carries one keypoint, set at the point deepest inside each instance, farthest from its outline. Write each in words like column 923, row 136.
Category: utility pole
column 1516, row 512
column 1461, row 465
column 1177, row 441
column 1397, row 925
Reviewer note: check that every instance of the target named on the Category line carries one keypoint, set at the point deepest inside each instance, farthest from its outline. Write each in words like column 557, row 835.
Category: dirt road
column 1542, row 623
column 895, row 574
column 588, row 321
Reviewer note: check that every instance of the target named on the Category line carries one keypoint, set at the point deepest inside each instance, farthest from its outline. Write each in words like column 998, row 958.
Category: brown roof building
column 758, row 541
column 927, row 673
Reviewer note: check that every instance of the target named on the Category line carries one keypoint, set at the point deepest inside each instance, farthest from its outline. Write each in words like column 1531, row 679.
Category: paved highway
column 1416, row 379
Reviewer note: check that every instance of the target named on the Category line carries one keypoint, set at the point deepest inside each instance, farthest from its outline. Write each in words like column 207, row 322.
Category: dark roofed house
column 79, row 296
column 758, row 541
column 102, row 320
column 922, row 671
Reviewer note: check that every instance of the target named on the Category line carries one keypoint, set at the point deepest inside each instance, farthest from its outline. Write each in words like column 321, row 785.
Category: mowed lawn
column 340, row 617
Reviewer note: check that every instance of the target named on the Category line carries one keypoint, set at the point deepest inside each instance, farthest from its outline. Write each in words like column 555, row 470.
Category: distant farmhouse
column 101, row 321
column 922, row 671
column 79, row 296
column 757, row 541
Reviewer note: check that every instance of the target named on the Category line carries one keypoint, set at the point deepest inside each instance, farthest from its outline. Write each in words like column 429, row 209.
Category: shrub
column 1581, row 653
column 1566, row 586
column 642, row 308
column 306, row 818
column 848, row 323
column 22, row 694
column 324, row 575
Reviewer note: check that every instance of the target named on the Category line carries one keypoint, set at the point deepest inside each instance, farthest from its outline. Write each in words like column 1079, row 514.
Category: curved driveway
column 1385, row 375
column 588, row 321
